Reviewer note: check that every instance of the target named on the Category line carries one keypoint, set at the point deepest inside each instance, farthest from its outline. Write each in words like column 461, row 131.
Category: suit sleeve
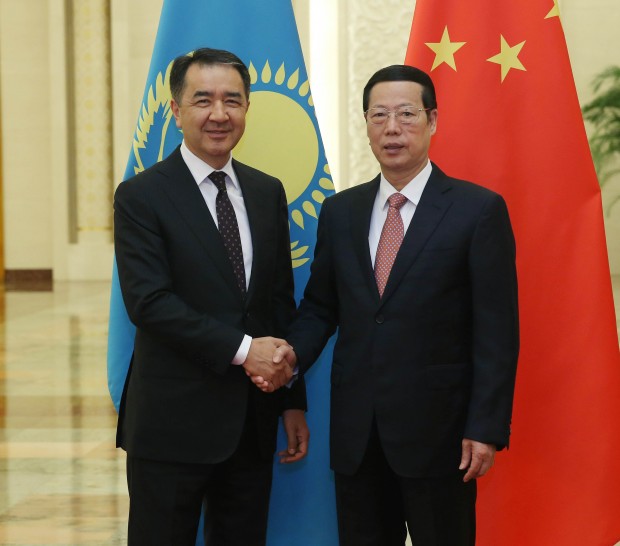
column 148, row 289
column 283, row 290
column 317, row 317
column 284, row 302
column 495, row 325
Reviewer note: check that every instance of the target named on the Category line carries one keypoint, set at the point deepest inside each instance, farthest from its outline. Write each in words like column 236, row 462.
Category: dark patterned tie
column 229, row 229
column 391, row 238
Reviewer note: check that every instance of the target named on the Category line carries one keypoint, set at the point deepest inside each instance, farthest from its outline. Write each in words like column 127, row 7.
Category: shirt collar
column 201, row 170
column 412, row 190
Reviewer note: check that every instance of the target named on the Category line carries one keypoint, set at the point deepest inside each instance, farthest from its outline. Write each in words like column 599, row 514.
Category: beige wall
column 27, row 130
column 58, row 218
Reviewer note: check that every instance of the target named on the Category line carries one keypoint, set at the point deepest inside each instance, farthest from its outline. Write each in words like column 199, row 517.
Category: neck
column 399, row 179
column 217, row 162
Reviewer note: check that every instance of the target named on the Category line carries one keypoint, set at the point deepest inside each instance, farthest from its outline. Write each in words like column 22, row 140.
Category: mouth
column 393, row 147
column 217, row 134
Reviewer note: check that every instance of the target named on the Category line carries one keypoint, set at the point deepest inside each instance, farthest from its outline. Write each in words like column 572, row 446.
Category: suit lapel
column 181, row 188
column 360, row 214
column 431, row 209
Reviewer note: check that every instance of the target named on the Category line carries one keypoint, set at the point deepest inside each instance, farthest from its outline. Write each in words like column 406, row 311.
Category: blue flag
column 282, row 138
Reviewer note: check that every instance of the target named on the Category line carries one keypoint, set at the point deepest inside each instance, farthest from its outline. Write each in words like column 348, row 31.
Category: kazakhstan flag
column 282, row 138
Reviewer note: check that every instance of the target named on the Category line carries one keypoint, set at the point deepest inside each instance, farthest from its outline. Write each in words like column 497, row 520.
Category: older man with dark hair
column 417, row 272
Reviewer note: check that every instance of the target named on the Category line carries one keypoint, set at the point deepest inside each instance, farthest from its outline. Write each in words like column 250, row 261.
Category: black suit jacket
column 183, row 400
column 434, row 359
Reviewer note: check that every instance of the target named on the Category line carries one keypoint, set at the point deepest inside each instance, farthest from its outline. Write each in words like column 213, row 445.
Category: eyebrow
column 397, row 106
column 227, row 94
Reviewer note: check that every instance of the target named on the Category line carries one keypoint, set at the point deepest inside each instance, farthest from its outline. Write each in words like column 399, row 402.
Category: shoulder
column 169, row 167
column 246, row 172
column 257, row 184
column 366, row 190
column 464, row 191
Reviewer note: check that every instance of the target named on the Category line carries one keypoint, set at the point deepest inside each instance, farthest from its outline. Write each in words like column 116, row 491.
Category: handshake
column 270, row 363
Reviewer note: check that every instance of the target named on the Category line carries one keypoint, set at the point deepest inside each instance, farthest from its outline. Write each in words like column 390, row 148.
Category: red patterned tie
column 391, row 238
column 229, row 229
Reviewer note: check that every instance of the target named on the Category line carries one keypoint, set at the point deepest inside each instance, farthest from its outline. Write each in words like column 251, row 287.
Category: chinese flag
column 509, row 119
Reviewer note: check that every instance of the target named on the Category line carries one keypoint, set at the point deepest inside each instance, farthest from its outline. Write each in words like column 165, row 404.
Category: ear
column 176, row 112
column 432, row 120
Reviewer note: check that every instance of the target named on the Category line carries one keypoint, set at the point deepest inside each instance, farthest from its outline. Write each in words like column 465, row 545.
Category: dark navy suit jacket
column 183, row 400
column 434, row 359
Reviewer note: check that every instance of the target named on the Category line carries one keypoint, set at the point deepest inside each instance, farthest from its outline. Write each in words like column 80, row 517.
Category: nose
column 218, row 112
column 392, row 125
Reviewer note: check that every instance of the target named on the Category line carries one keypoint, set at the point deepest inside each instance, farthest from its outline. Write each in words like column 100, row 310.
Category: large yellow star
column 508, row 57
column 555, row 10
column 445, row 50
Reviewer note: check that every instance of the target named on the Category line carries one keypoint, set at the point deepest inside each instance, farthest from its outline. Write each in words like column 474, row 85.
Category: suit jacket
column 434, row 359
column 183, row 399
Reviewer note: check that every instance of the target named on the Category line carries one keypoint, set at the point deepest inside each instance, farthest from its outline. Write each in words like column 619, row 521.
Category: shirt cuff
column 242, row 353
column 294, row 378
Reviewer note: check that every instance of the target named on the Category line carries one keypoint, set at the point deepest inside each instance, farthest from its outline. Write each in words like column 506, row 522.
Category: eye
column 378, row 114
column 407, row 113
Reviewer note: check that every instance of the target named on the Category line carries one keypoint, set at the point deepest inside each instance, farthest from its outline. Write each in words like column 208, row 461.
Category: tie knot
column 219, row 179
column 397, row 200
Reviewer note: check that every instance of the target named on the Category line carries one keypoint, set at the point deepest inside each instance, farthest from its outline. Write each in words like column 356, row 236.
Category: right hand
column 283, row 354
column 261, row 366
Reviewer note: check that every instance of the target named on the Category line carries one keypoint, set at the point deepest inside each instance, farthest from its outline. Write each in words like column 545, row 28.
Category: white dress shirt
column 412, row 191
column 201, row 171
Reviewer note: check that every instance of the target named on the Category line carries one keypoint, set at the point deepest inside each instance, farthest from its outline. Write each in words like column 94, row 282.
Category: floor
column 62, row 482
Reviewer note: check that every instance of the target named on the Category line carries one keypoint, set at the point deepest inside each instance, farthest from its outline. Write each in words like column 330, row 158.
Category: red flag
column 509, row 119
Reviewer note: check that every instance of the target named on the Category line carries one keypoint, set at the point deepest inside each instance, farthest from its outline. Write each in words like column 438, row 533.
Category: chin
column 218, row 150
column 393, row 162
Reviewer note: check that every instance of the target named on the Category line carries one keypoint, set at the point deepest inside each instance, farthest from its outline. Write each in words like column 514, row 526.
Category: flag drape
column 509, row 119
column 282, row 138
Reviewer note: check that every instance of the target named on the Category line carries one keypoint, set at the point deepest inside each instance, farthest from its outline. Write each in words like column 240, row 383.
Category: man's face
column 402, row 150
column 212, row 112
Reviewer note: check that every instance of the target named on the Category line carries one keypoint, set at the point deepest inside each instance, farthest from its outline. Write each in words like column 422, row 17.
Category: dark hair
column 205, row 56
column 403, row 72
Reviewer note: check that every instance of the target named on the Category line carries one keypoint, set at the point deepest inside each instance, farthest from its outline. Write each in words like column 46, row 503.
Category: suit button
column 379, row 319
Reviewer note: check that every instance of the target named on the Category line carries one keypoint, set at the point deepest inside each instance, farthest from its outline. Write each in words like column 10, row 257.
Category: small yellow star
column 445, row 50
column 508, row 57
column 555, row 10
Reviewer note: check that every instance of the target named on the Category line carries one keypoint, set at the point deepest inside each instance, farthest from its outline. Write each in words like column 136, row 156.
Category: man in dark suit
column 203, row 252
column 417, row 271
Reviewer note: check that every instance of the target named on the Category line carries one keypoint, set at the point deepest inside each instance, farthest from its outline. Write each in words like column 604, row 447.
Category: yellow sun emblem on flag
column 281, row 138
column 152, row 141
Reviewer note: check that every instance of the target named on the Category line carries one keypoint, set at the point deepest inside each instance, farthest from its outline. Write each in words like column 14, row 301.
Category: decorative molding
column 92, row 93
column 374, row 40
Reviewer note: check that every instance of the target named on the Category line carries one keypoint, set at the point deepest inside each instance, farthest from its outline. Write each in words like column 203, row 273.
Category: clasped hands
column 270, row 363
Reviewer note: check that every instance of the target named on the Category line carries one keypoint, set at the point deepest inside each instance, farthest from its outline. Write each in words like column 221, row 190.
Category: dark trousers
column 375, row 506
column 165, row 499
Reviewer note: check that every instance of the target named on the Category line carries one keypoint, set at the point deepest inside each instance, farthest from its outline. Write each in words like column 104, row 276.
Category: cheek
column 374, row 146
column 373, row 139
column 240, row 125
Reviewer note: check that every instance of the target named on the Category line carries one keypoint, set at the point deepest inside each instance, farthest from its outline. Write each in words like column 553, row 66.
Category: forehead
column 395, row 93
column 213, row 78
